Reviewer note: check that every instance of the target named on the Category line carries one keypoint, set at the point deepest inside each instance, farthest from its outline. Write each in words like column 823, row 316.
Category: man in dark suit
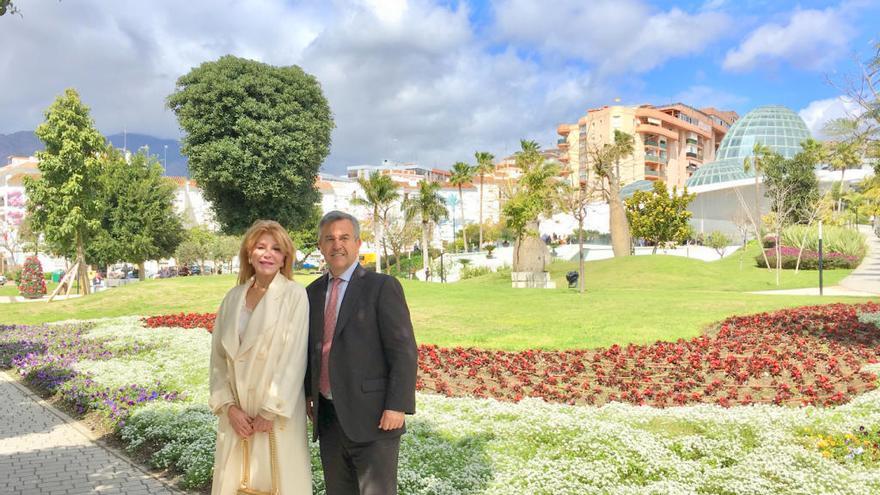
column 362, row 365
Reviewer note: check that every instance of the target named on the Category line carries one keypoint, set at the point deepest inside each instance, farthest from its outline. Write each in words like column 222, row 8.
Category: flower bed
column 47, row 356
column 182, row 320
column 804, row 356
column 809, row 259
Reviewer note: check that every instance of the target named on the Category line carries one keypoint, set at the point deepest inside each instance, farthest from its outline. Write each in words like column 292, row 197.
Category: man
column 362, row 365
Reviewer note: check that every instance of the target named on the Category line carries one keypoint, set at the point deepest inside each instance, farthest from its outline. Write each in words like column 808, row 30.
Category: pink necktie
column 329, row 328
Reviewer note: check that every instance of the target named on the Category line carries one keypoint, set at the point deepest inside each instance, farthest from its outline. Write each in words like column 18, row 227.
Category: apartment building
column 670, row 141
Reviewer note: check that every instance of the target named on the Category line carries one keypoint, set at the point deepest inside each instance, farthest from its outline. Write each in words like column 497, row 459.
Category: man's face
column 339, row 246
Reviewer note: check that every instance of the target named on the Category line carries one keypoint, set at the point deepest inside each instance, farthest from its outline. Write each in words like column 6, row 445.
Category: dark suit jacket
column 373, row 360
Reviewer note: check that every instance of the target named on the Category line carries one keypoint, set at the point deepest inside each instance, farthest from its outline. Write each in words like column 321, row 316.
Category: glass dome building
column 775, row 126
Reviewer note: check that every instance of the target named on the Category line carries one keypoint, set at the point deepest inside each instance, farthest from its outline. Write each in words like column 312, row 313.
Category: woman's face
column 266, row 256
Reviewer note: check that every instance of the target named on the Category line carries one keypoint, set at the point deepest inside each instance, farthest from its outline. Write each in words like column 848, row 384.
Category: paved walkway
column 43, row 451
column 864, row 281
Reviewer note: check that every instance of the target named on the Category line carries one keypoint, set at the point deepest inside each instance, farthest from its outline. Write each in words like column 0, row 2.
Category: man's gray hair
column 336, row 215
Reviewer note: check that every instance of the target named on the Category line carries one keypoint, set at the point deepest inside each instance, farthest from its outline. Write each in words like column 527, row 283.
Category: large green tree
column 138, row 221
column 429, row 208
column 379, row 193
column 462, row 174
column 255, row 137
column 659, row 216
column 797, row 176
column 62, row 201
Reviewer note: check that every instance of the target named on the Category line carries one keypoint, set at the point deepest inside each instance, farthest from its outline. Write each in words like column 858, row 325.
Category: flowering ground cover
column 467, row 445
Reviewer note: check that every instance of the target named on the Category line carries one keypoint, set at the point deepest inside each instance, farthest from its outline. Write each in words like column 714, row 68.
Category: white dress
column 261, row 359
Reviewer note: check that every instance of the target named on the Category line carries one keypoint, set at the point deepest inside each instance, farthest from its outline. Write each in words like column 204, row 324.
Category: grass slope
column 631, row 300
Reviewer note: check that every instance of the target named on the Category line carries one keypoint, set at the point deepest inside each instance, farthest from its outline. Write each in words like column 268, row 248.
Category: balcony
column 697, row 156
column 651, row 174
column 651, row 143
column 658, row 130
column 656, row 158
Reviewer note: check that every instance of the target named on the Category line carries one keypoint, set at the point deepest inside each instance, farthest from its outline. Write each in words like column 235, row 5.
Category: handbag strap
column 273, row 461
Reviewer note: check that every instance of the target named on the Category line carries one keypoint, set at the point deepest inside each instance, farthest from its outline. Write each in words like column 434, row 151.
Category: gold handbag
column 244, row 488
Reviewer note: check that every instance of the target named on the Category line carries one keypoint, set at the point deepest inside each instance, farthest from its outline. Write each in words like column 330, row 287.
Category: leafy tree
column 574, row 199
column 798, row 177
column 223, row 248
column 62, row 200
column 255, row 138
column 138, row 221
column 400, row 232
column 429, row 207
column 606, row 164
column 483, row 167
column 718, row 241
column 658, row 216
column 305, row 237
column 196, row 247
column 7, row 7
column 462, row 174
column 380, row 192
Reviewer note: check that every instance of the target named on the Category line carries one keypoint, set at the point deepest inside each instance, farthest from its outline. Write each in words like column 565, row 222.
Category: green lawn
column 10, row 289
column 636, row 299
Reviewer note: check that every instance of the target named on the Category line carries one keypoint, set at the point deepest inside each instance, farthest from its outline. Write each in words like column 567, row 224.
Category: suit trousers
column 355, row 468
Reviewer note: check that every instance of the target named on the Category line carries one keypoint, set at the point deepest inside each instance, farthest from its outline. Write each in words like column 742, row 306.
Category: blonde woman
column 258, row 364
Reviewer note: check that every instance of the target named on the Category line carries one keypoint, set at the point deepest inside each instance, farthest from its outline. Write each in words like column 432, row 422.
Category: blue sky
column 433, row 81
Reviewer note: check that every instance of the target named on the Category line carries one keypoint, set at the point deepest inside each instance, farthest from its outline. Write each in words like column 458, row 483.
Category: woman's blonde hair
column 260, row 227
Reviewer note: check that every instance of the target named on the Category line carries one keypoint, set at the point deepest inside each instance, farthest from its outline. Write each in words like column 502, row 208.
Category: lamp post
column 166, row 160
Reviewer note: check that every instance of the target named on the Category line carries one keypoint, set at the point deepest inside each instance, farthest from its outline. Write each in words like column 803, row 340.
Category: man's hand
column 262, row 424
column 310, row 409
column 240, row 421
column 391, row 420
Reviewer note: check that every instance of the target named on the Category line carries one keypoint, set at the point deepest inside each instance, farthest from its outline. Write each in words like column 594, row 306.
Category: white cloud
column 700, row 96
column 812, row 40
column 819, row 112
column 617, row 35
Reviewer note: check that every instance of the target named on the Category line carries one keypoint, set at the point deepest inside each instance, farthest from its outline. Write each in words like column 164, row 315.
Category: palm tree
column 462, row 174
column 847, row 151
column 380, row 192
column 484, row 166
column 429, row 208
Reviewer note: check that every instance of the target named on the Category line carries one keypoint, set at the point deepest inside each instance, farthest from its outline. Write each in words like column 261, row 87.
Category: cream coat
column 266, row 371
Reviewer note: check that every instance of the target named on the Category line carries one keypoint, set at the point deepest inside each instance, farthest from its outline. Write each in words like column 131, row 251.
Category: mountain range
column 26, row 143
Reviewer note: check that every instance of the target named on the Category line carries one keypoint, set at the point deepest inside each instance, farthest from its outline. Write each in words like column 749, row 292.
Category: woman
column 258, row 364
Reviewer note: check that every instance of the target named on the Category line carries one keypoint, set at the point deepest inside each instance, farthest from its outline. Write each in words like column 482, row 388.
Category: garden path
column 864, row 281
column 43, row 451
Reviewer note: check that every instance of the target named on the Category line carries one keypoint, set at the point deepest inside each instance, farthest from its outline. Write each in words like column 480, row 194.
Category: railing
column 650, row 172
column 651, row 157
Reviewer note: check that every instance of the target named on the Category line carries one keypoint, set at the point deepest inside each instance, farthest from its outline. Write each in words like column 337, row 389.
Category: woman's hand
column 240, row 421
column 262, row 424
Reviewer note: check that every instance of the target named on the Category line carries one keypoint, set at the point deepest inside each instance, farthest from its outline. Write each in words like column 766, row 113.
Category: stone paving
column 43, row 451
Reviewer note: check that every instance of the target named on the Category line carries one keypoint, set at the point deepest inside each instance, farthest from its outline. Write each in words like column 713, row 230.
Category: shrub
column 834, row 239
column 32, row 284
column 809, row 259
column 475, row 271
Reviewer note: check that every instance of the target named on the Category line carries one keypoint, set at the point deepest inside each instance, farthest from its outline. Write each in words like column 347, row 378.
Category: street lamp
column 166, row 160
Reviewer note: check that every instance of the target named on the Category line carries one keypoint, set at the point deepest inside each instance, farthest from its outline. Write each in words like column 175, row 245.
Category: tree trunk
column 840, row 195
column 82, row 271
column 425, row 255
column 142, row 274
column 581, row 267
column 377, row 235
column 619, row 226
column 463, row 229
column 480, row 246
